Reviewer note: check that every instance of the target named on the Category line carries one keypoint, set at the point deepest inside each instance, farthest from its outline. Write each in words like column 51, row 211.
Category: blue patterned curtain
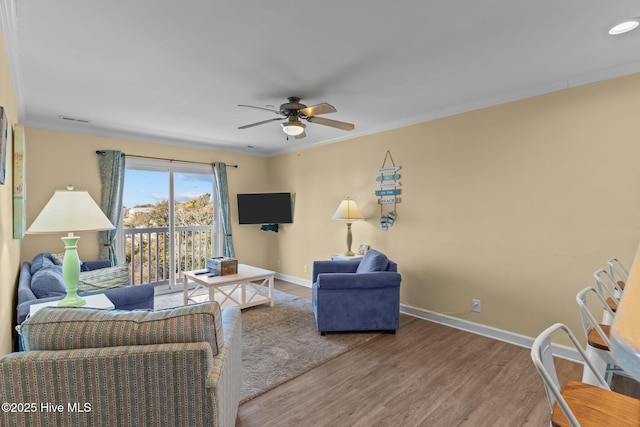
column 222, row 190
column 112, row 166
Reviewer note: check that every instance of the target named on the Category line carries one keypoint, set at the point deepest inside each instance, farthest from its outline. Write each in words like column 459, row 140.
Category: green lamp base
column 71, row 301
column 349, row 252
column 71, row 272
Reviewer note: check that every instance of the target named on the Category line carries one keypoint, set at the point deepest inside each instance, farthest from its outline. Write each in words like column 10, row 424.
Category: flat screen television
column 265, row 208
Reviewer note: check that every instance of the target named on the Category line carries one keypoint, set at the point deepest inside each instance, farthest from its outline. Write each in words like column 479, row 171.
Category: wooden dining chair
column 580, row 404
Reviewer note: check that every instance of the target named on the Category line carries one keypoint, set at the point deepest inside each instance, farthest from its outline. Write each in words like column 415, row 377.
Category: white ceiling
column 174, row 71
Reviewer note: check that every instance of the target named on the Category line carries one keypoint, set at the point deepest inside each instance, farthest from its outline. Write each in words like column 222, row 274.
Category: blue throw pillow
column 373, row 261
column 42, row 260
column 48, row 282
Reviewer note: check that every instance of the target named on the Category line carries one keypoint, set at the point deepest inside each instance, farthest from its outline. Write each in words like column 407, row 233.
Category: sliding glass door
column 170, row 221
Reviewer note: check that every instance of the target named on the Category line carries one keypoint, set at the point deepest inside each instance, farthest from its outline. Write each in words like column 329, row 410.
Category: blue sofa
column 356, row 295
column 130, row 297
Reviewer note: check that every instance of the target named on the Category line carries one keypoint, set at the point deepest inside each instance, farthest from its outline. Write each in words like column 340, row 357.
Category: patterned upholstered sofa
column 174, row 367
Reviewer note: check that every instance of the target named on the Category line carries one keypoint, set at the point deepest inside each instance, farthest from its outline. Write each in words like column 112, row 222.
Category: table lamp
column 348, row 211
column 67, row 212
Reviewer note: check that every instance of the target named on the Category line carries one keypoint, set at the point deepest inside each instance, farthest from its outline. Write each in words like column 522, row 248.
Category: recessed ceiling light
column 624, row 27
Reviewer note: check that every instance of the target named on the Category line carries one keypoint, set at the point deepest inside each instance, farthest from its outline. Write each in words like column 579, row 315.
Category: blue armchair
column 356, row 295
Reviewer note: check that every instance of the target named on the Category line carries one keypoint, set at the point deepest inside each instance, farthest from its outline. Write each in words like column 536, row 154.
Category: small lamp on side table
column 348, row 211
column 67, row 212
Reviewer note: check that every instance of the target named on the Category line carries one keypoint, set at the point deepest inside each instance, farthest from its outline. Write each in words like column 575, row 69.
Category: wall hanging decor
column 19, row 183
column 388, row 192
column 4, row 134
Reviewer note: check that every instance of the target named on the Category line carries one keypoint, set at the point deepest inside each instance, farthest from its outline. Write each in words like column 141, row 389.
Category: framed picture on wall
column 3, row 144
column 19, row 183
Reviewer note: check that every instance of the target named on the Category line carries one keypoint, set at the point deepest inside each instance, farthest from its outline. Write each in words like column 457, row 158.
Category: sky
column 149, row 187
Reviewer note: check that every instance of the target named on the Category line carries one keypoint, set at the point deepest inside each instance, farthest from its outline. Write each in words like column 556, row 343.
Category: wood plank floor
column 425, row 375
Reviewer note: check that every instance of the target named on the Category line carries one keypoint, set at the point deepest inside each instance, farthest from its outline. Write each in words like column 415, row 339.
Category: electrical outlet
column 475, row 305
column 306, row 269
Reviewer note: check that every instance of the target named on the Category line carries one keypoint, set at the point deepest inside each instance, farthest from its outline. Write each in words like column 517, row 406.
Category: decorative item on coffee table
column 222, row 266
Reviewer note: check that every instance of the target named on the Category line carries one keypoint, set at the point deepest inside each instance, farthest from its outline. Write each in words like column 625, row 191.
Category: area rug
column 280, row 343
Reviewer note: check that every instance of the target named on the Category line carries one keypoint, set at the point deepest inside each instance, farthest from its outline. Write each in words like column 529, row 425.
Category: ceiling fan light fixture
column 293, row 128
column 292, row 112
column 625, row 27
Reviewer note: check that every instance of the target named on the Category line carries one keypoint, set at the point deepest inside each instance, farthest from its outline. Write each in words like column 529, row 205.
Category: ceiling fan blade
column 332, row 123
column 314, row 110
column 259, row 108
column 260, row 123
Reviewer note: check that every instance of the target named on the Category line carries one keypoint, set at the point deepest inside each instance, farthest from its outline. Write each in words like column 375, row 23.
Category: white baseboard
column 561, row 351
column 293, row 279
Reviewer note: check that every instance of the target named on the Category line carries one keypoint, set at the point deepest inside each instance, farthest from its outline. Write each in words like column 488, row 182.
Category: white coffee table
column 93, row 301
column 250, row 286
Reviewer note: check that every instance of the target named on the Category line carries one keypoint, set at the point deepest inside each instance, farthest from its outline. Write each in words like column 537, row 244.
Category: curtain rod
column 168, row 160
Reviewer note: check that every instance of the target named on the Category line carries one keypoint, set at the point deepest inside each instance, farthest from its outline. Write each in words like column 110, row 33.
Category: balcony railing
column 147, row 252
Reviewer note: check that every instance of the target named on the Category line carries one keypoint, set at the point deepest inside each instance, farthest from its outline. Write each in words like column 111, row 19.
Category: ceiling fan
column 293, row 111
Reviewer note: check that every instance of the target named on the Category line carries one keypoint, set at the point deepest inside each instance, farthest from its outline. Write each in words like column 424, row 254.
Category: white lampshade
column 69, row 211
column 348, row 211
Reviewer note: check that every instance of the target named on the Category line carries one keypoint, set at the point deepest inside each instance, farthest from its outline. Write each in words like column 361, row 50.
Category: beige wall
column 9, row 248
column 516, row 205
column 57, row 159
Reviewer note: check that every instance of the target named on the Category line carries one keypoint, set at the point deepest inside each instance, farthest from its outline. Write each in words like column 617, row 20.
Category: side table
column 93, row 301
column 345, row 257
